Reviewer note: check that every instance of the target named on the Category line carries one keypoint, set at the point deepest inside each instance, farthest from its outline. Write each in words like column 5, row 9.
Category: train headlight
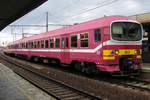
column 135, row 51
column 117, row 52
column 139, row 57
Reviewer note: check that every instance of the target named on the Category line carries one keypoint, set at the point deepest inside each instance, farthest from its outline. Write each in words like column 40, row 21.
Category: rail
column 55, row 88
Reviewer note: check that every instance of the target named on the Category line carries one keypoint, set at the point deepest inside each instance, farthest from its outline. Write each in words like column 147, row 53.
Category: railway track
column 134, row 84
column 128, row 82
column 137, row 84
column 55, row 88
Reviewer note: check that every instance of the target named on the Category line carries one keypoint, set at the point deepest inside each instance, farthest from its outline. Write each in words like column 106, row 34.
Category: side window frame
column 97, row 35
column 64, row 42
column 46, row 43
column 57, row 45
column 51, row 43
column 83, row 39
column 74, row 44
column 42, row 43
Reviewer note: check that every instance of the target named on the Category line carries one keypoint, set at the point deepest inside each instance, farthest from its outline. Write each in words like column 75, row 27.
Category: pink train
column 110, row 44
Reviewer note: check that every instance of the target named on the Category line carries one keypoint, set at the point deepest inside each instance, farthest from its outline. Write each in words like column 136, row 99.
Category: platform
column 13, row 87
column 146, row 67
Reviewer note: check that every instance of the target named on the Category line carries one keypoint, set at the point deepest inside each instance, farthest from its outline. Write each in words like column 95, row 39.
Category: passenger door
column 65, row 54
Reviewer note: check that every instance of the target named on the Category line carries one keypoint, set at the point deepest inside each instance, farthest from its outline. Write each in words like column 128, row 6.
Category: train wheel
column 90, row 68
column 35, row 59
column 77, row 66
column 45, row 61
column 28, row 58
column 87, row 68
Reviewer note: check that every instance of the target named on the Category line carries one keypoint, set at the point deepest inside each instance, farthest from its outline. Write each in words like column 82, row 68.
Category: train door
column 65, row 54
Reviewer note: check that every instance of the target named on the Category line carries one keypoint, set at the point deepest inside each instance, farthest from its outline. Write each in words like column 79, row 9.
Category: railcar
column 109, row 44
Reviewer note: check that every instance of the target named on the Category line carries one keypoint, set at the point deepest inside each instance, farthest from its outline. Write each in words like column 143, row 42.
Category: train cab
column 122, row 53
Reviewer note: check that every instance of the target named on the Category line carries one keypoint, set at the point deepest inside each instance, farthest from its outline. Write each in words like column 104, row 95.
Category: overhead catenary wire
column 101, row 5
column 66, row 7
column 50, row 24
column 86, row 10
column 94, row 8
column 13, row 26
column 104, row 3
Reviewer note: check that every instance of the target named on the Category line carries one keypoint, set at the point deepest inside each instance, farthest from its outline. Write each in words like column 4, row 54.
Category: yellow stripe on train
column 127, row 52
column 119, row 52
column 107, row 52
column 108, row 57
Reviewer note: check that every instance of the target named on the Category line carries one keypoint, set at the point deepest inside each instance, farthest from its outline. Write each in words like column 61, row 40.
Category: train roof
column 96, row 23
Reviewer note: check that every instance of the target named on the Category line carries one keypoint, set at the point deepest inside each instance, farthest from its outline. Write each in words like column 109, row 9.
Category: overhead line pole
column 46, row 21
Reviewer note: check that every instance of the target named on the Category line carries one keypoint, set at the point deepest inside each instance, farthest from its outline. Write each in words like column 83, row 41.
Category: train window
column 14, row 46
column 66, row 42
column 74, row 41
column 38, row 44
column 35, row 44
column 26, row 45
column 84, row 40
column 97, row 35
column 22, row 45
column 17, row 46
column 57, row 43
column 32, row 45
column 63, row 42
column 42, row 43
column 29, row 45
column 51, row 43
column 46, row 43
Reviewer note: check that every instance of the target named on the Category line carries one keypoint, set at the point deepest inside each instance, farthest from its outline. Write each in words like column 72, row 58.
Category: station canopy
column 142, row 18
column 10, row 10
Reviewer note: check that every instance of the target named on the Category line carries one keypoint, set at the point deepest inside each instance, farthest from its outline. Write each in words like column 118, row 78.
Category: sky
column 68, row 12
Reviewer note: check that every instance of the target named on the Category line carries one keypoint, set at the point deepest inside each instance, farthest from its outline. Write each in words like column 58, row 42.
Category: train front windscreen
column 126, row 31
